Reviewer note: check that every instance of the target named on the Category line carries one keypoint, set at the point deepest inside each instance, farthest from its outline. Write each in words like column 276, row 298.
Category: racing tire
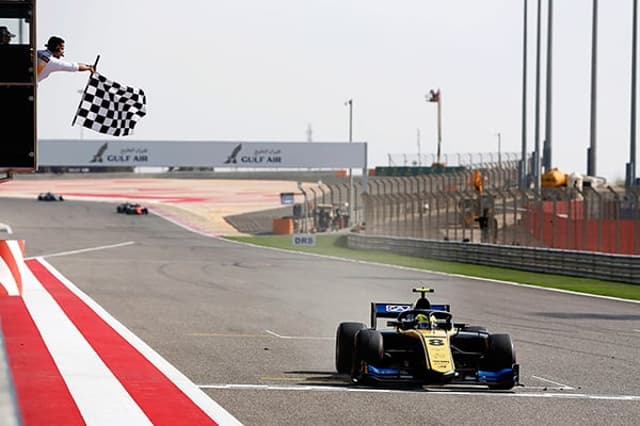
column 345, row 341
column 369, row 346
column 368, row 349
column 501, row 355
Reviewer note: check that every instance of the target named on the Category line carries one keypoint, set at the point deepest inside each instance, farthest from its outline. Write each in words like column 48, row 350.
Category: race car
column 424, row 347
column 131, row 208
column 50, row 196
column 121, row 208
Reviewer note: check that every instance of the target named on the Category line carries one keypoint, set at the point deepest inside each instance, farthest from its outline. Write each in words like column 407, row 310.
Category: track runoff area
column 72, row 363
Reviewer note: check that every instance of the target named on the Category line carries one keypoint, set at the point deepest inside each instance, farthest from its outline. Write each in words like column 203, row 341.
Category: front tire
column 501, row 355
column 369, row 348
column 345, row 341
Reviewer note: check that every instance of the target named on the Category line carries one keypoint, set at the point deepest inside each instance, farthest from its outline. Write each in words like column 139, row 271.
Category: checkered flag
column 109, row 107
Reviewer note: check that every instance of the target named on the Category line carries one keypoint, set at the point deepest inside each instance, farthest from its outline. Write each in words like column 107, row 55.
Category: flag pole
column 95, row 67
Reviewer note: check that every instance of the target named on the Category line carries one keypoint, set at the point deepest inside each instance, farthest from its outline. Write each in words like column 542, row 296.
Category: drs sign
column 306, row 240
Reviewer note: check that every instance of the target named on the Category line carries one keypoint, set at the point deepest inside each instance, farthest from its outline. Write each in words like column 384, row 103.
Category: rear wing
column 392, row 310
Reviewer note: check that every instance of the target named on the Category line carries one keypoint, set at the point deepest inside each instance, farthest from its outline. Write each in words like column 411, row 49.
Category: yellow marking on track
column 279, row 336
column 301, row 379
column 282, row 379
column 227, row 335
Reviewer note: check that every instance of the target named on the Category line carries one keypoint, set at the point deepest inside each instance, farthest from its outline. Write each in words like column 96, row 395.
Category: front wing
column 480, row 377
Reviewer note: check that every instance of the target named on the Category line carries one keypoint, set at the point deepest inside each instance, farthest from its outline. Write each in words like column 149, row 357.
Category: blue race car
column 424, row 347
column 50, row 196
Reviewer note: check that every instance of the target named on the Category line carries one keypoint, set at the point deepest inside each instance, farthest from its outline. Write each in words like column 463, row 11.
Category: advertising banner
column 96, row 153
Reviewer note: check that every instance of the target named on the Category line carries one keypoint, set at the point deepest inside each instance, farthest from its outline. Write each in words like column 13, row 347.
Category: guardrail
column 611, row 267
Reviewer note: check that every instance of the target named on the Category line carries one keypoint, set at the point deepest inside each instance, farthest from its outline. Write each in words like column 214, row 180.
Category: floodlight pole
column 351, row 194
column 523, row 161
column 436, row 96
column 591, row 152
column 549, row 92
column 439, row 126
column 631, row 165
column 536, row 156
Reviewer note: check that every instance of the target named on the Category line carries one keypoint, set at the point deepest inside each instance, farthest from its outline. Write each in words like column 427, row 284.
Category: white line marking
column 562, row 385
column 545, row 388
column 66, row 253
column 273, row 333
column 428, row 271
column 83, row 371
column 208, row 405
column 497, row 394
column 512, row 283
column 635, row 329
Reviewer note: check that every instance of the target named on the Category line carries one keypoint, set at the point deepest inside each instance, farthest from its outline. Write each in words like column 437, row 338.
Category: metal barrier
column 552, row 261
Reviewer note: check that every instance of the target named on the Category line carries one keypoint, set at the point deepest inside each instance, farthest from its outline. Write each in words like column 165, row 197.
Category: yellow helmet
column 424, row 321
column 422, row 318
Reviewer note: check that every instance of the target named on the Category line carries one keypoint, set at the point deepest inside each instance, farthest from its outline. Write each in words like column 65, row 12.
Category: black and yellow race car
column 424, row 347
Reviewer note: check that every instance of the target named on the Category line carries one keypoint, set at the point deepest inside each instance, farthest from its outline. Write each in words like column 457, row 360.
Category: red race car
column 132, row 208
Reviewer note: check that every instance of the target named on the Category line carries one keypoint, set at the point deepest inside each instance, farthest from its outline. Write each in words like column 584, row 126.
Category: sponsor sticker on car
column 397, row 308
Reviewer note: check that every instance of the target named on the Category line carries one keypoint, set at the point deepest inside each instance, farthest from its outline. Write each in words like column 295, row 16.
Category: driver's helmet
column 423, row 321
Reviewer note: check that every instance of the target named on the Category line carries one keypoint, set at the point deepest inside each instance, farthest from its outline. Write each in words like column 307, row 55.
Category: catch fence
column 449, row 207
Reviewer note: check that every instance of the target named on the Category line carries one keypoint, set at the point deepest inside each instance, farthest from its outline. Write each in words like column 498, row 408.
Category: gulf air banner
column 96, row 153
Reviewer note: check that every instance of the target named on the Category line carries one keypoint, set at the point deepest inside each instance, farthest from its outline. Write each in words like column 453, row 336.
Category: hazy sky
column 266, row 70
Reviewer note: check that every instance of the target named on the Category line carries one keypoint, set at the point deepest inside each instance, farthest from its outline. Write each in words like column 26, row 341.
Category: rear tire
column 345, row 341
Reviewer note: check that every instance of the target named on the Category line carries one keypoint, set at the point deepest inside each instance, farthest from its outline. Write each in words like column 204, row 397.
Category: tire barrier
column 11, row 264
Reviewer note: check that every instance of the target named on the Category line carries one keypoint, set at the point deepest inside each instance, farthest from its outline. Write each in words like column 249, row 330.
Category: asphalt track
column 254, row 327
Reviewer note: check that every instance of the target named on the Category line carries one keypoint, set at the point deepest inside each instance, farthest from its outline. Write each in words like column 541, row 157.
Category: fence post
column 599, row 213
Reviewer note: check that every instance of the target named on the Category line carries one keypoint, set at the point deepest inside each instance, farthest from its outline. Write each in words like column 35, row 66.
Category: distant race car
column 424, row 347
column 131, row 208
column 50, row 196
